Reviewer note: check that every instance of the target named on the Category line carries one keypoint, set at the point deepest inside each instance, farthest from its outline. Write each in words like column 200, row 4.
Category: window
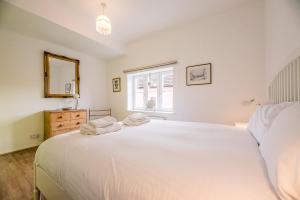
column 151, row 90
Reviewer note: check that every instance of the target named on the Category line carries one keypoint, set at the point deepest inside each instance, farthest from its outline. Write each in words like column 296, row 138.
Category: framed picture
column 198, row 74
column 116, row 82
column 68, row 87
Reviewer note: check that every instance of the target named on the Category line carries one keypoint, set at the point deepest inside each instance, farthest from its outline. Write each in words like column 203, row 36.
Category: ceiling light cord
column 103, row 5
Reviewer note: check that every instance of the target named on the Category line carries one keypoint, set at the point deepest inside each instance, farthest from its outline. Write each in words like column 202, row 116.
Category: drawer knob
column 77, row 123
column 60, row 117
column 77, row 115
column 60, row 125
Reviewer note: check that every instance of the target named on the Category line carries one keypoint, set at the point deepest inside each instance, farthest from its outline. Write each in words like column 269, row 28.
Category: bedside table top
column 60, row 110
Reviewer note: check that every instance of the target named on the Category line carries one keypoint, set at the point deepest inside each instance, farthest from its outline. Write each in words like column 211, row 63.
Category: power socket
column 35, row 136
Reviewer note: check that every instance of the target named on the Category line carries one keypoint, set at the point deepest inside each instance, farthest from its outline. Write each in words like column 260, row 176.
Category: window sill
column 152, row 111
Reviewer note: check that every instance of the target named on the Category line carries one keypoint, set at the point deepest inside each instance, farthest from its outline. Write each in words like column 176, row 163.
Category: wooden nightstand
column 242, row 125
column 62, row 121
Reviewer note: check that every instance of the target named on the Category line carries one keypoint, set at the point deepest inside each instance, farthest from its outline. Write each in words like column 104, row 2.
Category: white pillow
column 280, row 149
column 263, row 117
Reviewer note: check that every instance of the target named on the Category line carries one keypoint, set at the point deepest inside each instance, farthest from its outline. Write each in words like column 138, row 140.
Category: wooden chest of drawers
column 61, row 121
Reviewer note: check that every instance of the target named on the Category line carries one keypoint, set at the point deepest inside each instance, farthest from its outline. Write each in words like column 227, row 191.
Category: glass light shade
column 103, row 25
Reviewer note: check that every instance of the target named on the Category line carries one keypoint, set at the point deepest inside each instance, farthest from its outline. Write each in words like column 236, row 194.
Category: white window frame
column 131, row 90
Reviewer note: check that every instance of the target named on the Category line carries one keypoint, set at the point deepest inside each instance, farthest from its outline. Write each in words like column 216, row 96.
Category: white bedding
column 161, row 160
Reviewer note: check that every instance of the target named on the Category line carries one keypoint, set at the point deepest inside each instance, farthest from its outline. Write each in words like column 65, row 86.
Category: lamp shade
column 103, row 25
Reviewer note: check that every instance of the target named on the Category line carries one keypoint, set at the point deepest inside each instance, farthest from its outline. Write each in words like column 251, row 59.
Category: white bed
column 162, row 160
column 165, row 160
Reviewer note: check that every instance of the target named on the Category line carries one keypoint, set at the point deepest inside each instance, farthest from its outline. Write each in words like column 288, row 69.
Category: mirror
column 61, row 76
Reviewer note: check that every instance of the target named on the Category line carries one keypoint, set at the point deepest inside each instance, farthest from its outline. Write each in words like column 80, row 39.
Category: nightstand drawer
column 60, row 125
column 78, row 115
column 58, row 132
column 58, row 117
column 77, row 123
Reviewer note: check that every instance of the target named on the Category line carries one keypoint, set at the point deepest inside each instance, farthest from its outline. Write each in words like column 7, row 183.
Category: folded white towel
column 86, row 129
column 102, row 122
column 137, row 117
column 127, row 121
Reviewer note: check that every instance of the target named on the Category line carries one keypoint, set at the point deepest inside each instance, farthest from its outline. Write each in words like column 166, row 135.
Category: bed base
column 46, row 187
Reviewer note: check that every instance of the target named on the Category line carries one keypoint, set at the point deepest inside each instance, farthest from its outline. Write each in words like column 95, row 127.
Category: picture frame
column 199, row 74
column 116, row 83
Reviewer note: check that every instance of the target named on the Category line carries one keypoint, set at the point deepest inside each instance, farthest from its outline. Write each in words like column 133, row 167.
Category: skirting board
column 22, row 149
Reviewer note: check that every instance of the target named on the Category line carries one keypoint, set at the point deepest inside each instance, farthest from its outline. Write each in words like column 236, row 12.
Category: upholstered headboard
column 286, row 85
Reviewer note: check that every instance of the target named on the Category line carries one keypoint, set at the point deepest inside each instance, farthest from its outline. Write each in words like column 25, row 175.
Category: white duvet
column 160, row 160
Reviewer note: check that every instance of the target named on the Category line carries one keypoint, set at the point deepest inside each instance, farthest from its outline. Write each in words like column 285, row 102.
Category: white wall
column 21, row 88
column 282, row 34
column 233, row 41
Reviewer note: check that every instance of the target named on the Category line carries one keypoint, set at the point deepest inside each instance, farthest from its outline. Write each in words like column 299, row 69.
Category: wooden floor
column 16, row 175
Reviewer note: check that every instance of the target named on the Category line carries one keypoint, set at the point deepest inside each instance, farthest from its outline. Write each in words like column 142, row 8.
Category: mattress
column 160, row 160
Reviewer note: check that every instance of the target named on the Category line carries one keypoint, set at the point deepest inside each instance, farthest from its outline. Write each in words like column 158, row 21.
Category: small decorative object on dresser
column 76, row 97
column 198, row 74
column 62, row 121
column 116, row 82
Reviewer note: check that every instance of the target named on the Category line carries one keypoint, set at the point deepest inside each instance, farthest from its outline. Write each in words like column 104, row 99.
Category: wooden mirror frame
column 47, row 93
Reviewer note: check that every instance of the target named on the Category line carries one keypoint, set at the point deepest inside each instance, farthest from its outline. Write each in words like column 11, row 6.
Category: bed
column 159, row 160
column 163, row 160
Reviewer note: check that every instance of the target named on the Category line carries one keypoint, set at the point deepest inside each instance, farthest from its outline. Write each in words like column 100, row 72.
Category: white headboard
column 286, row 85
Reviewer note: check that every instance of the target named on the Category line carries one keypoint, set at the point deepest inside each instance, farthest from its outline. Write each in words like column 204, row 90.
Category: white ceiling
column 26, row 23
column 131, row 19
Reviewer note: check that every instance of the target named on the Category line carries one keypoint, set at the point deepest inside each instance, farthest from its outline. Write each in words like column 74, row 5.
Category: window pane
column 153, row 81
column 167, row 90
column 139, row 92
column 151, row 90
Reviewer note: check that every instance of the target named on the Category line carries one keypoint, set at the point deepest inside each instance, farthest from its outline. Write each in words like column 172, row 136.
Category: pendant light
column 103, row 25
